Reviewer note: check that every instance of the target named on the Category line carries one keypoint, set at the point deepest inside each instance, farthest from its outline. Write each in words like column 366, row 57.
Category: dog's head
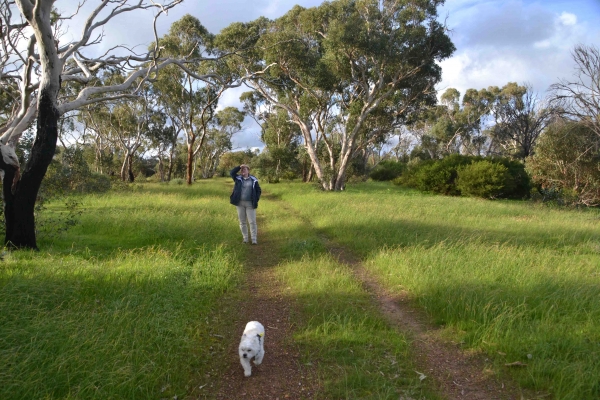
column 249, row 346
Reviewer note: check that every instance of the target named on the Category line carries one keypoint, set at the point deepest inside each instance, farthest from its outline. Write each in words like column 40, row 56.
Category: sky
column 497, row 41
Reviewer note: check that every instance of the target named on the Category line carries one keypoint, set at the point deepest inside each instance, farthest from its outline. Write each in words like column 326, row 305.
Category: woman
column 245, row 196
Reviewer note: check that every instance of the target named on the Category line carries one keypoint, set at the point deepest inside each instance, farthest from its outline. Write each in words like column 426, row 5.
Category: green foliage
column 276, row 163
column 483, row 179
column 322, row 59
column 436, row 176
column 440, row 176
column 177, row 181
column 387, row 170
column 520, row 187
column 68, row 175
column 235, row 158
column 566, row 165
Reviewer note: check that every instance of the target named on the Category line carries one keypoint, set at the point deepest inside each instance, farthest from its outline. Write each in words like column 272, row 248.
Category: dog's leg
column 247, row 367
column 259, row 357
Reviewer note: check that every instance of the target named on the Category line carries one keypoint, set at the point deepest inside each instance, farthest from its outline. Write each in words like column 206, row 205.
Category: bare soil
column 455, row 373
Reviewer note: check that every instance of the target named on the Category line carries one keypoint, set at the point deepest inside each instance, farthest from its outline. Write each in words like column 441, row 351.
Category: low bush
column 436, row 176
column 484, row 179
column 387, row 170
column 520, row 187
column 440, row 176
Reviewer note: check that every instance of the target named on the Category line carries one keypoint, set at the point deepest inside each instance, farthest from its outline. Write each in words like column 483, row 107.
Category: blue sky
column 497, row 41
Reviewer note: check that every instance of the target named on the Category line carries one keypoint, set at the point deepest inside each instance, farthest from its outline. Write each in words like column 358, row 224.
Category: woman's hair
column 244, row 166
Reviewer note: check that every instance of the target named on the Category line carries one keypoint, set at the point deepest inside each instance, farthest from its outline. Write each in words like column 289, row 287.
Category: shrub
column 437, row 176
column 177, row 181
column 521, row 181
column 387, row 170
column 484, row 179
column 565, row 166
column 96, row 183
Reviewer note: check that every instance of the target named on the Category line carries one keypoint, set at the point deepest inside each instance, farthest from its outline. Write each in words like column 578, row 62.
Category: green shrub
column 484, row 179
column 440, row 176
column 436, row 176
column 387, row 170
column 521, row 181
column 96, row 183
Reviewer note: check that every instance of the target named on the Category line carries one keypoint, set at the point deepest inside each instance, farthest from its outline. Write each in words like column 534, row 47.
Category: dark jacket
column 237, row 188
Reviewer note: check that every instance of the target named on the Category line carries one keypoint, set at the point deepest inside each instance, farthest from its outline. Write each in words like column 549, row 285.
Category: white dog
column 252, row 346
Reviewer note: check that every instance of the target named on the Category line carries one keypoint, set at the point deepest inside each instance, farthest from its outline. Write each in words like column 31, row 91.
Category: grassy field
column 518, row 281
column 124, row 304
column 120, row 306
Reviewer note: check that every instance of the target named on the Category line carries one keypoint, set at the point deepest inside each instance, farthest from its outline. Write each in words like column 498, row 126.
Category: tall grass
column 516, row 280
column 123, row 305
column 129, row 303
column 338, row 328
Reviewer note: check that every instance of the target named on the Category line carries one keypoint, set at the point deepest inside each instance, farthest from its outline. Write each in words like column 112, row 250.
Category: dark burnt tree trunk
column 19, row 207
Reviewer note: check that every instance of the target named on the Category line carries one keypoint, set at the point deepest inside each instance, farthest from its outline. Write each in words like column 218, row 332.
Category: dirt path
column 456, row 374
column 281, row 375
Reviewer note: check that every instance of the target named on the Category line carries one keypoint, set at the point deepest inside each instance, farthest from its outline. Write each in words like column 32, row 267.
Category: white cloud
column 514, row 41
column 568, row 18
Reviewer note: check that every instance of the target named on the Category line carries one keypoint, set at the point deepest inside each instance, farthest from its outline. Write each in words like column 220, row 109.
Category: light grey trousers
column 247, row 216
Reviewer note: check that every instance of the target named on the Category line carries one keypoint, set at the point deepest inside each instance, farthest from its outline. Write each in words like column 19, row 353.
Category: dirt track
column 456, row 374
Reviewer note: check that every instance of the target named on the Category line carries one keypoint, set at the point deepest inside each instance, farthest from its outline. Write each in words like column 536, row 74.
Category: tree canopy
column 346, row 72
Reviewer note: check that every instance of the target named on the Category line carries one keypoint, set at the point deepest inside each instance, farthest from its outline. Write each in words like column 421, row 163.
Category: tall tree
column 163, row 137
column 39, row 67
column 227, row 122
column 190, row 102
column 278, row 133
column 343, row 65
column 578, row 98
column 520, row 118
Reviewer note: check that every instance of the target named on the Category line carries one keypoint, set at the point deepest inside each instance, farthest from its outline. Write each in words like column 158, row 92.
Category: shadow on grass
column 370, row 238
column 218, row 187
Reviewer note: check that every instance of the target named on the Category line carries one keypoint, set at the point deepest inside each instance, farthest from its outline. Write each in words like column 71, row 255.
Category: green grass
column 123, row 305
column 338, row 328
column 516, row 280
column 126, row 304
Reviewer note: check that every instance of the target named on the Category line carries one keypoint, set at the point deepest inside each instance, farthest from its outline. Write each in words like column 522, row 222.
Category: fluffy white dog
column 252, row 346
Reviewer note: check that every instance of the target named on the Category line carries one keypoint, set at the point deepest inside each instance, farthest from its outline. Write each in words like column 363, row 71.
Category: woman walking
column 245, row 196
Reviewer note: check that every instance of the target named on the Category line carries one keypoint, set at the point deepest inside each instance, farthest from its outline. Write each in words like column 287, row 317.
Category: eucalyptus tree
column 227, row 122
column 39, row 61
column 190, row 102
column 578, row 98
column 520, row 118
column 129, row 121
column 278, row 133
column 163, row 136
column 343, row 65
column 454, row 126
column 95, row 133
